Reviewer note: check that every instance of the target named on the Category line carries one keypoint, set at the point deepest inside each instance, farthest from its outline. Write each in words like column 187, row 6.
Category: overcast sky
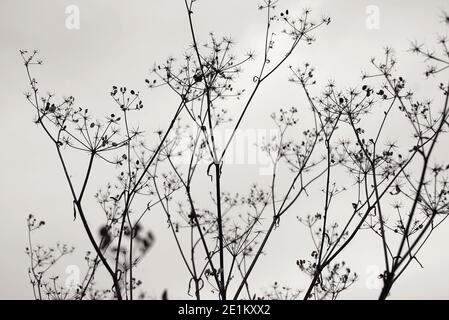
column 117, row 44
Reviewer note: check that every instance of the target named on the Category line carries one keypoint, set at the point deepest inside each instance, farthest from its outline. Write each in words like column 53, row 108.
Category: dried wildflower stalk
column 220, row 246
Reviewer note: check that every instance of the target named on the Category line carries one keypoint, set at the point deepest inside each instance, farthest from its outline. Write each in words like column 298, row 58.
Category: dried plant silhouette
column 398, row 190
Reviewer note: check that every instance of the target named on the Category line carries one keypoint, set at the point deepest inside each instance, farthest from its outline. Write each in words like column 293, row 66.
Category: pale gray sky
column 117, row 43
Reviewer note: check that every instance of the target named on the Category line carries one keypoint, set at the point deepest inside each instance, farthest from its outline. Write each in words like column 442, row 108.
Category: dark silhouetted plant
column 220, row 243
